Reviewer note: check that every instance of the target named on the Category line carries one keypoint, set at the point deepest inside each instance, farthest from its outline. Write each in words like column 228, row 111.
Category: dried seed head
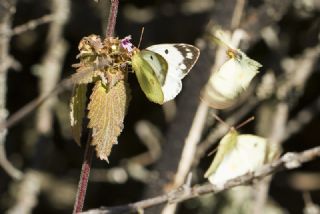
column 106, row 60
column 90, row 45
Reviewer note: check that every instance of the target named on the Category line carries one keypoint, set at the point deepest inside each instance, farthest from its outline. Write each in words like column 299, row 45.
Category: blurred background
column 284, row 97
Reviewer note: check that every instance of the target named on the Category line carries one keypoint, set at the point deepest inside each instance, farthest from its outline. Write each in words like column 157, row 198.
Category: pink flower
column 126, row 44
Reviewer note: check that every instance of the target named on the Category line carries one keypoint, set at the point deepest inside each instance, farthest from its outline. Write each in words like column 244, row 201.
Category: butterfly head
column 235, row 54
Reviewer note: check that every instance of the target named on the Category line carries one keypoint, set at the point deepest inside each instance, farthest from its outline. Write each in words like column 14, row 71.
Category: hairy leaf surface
column 84, row 75
column 107, row 109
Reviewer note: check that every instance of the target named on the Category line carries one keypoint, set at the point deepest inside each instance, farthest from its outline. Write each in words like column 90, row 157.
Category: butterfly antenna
column 215, row 116
column 244, row 122
column 212, row 152
column 142, row 31
column 220, row 120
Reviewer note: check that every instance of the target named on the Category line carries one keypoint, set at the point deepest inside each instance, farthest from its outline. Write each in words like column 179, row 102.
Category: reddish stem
column 86, row 165
column 112, row 17
column 84, row 177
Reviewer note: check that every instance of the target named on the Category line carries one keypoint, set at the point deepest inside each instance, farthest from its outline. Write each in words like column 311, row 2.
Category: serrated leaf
column 77, row 106
column 107, row 109
column 84, row 75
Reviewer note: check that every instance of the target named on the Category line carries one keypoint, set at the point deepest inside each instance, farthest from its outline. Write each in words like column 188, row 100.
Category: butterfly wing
column 250, row 68
column 180, row 59
column 253, row 150
column 226, row 145
column 158, row 64
column 248, row 154
column 149, row 68
column 230, row 80
column 223, row 86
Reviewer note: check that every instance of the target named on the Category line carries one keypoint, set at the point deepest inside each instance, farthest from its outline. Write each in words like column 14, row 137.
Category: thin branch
column 50, row 68
column 32, row 24
column 310, row 207
column 191, row 142
column 277, row 126
column 152, row 138
column 27, row 191
column 302, row 118
column 287, row 161
column 135, row 167
column 7, row 166
column 5, row 25
column 32, row 105
column 237, row 13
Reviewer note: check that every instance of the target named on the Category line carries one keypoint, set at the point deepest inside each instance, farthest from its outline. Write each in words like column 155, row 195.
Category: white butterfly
column 160, row 68
column 232, row 78
column 236, row 156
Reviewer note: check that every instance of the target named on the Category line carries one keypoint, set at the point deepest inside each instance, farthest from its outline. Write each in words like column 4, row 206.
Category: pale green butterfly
column 237, row 155
column 160, row 68
column 232, row 78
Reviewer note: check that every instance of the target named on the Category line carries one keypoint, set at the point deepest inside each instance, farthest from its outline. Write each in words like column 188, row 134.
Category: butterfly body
column 160, row 68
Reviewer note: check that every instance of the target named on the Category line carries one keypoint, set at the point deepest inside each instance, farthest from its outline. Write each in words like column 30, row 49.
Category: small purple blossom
column 126, row 44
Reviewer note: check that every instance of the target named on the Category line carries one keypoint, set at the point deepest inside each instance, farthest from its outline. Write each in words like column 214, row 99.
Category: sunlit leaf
column 77, row 106
column 107, row 109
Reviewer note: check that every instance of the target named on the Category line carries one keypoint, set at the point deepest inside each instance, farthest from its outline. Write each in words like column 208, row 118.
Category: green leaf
column 77, row 106
column 107, row 109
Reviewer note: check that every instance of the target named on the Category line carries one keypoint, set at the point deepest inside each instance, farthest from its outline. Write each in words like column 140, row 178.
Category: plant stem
column 86, row 165
column 112, row 17
column 84, row 177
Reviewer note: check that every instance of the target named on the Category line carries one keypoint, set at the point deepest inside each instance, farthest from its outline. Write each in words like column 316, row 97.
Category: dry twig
column 51, row 66
column 32, row 24
column 32, row 105
column 5, row 25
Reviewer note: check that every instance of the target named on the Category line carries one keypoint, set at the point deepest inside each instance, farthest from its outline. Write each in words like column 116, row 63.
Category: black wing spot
column 166, row 51
column 151, row 57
